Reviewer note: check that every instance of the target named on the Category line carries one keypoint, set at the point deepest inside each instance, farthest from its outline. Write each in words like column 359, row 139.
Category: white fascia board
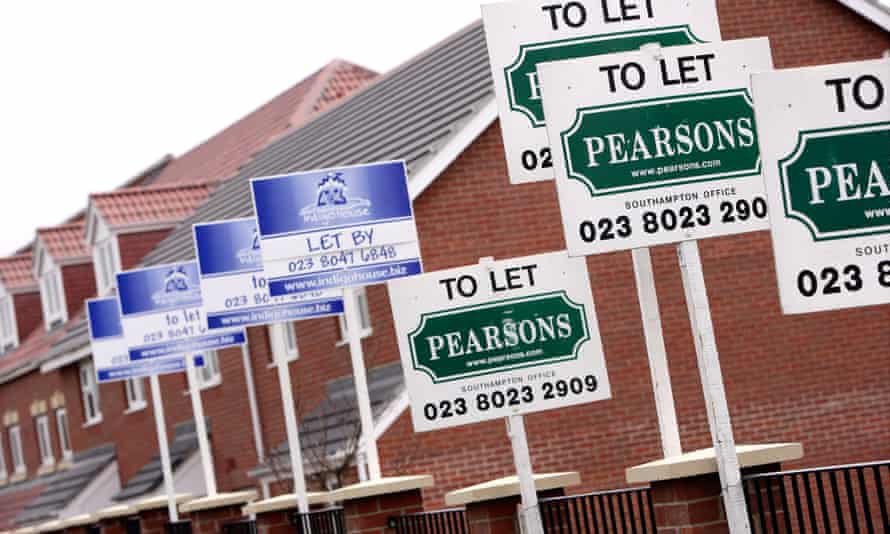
column 871, row 11
column 453, row 149
column 67, row 359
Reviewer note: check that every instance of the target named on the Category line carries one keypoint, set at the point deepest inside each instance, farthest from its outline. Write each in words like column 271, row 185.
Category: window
column 64, row 438
column 89, row 391
column 8, row 331
column 15, row 449
column 364, row 315
column 52, row 298
column 135, row 394
column 105, row 260
column 209, row 375
column 3, row 472
column 44, row 441
column 284, row 342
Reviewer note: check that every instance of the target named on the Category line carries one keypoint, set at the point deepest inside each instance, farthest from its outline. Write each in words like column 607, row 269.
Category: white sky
column 93, row 92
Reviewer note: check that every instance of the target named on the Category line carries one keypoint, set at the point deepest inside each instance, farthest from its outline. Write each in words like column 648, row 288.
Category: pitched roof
column 222, row 155
column 14, row 499
column 414, row 113
column 16, row 274
column 64, row 242
column 877, row 11
column 149, row 205
column 26, row 356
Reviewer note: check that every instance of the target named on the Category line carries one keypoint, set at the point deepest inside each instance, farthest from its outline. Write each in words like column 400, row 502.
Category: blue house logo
column 178, row 289
column 251, row 255
column 333, row 202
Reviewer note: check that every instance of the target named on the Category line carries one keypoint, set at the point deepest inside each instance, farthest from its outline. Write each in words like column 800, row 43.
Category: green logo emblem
column 664, row 141
column 837, row 181
column 523, row 86
column 499, row 336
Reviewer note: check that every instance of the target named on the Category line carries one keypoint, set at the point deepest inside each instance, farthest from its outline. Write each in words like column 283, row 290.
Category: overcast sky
column 93, row 92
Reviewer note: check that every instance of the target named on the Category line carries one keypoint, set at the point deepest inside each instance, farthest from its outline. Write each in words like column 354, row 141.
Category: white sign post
column 825, row 139
column 525, row 33
column 339, row 228
column 500, row 339
column 112, row 363
column 161, row 315
column 660, row 146
column 235, row 293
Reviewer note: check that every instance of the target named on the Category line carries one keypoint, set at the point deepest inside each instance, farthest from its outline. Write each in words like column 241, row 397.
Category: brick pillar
column 153, row 514
column 367, row 506
column 209, row 514
column 500, row 516
column 111, row 519
column 113, row 525
column 275, row 522
column 694, row 505
column 273, row 516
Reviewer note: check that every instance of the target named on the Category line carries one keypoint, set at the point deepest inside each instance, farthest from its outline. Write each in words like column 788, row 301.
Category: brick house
column 787, row 378
column 67, row 440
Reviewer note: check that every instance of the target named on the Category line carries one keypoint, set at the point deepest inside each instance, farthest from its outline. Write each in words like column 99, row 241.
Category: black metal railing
column 246, row 526
column 94, row 529
column 179, row 527
column 844, row 498
column 450, row 521
column 328, row 521
column 132, row 525
column 626, row 511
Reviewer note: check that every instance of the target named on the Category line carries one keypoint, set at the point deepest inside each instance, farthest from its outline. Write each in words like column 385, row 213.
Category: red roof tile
column 15, row 272
column 36, row 345
column 64, row 242
column 141, row 205
column 222, row 155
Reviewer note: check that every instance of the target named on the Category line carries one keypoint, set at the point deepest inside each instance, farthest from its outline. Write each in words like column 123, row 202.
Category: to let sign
column 233, row 287
column 523, row 34
column 111, row 360
column 656, row 146
column 498, row 338
column 162, row 314
column 825, row 140
column 335, row 228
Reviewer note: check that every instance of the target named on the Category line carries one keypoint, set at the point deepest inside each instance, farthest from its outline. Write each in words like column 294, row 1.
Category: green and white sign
column 524, row 34
column 825, row 140
column 498, row 338
column 656, row 146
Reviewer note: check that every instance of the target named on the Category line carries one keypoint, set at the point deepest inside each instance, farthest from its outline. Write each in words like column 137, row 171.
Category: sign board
column 162, row 315
column 825, row 140
column 233, row 287
column 523, row 34
column 657, row 146
column 496, row 339
column 335, row 228
column 110, row 358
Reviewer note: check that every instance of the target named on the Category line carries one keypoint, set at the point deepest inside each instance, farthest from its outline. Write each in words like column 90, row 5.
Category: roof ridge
column 155, row 188
column 320, row 80
column 63, row 226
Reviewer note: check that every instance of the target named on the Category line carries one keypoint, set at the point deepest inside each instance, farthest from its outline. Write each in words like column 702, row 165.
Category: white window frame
column 9, row 332
column 284, row 342
column 52, row 295
column 364, row 312
column 106, row 262
column 44, row 440
column 89, row 388
column 3, row 473
column 134, row 389
column 209, row 375
column 64, row 435
column 16, row 451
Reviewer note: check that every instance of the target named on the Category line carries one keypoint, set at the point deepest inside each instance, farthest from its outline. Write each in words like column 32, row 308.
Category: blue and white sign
column 162, row 315
column 234, row 288
column 110, row 358
column 333, row 228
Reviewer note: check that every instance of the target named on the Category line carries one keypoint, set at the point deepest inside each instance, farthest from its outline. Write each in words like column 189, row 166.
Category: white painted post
column 531, row 513
column 712, row 383
column 658, row 365
column 201, row 427
column 293, row 434
column 161, row 427
column 252, row 403
column 363, row 398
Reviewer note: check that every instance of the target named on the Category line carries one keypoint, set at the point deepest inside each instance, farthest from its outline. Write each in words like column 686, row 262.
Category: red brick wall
column 134, row 247
column 18, row 395
column 28, row 313
column 80, row 284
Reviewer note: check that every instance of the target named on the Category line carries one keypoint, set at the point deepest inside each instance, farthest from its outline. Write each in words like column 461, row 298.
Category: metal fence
column 450, row 521
column 328, row 521
column 844, row 498
column 132, row 525
column 626, row 511
column 240, row 527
